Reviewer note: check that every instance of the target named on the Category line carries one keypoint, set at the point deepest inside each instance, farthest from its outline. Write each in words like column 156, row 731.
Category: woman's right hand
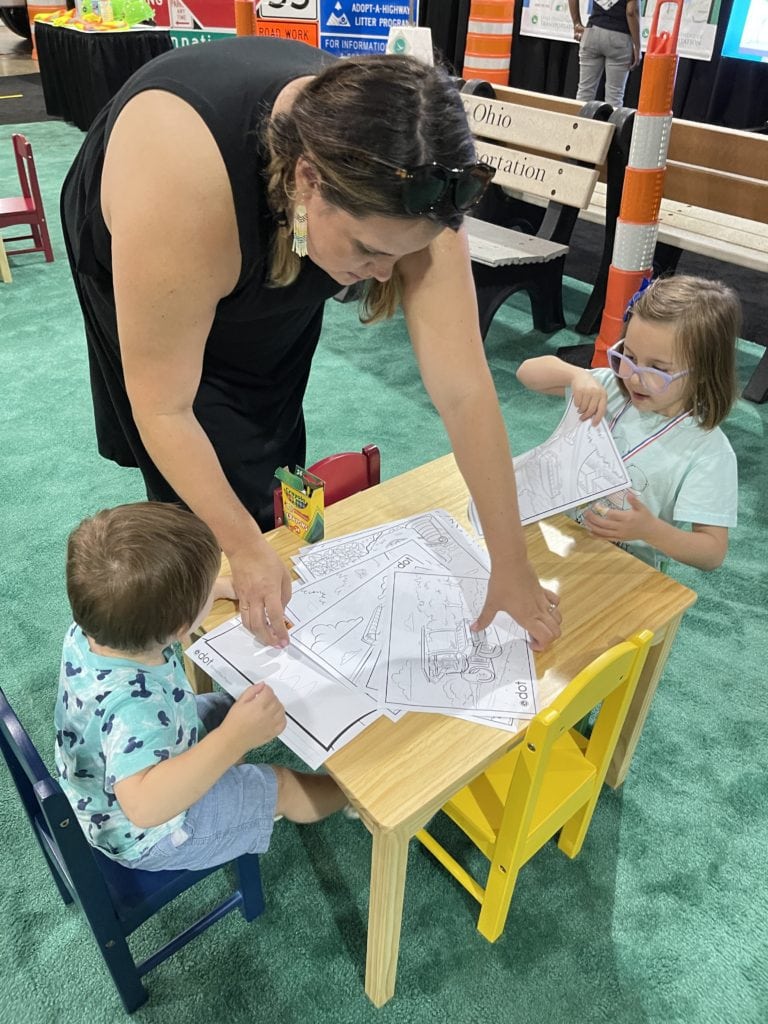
column 263, row 587
column 589, row 396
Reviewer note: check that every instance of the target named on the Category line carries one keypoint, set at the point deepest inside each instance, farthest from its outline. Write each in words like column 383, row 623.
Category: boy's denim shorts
column 234, row 817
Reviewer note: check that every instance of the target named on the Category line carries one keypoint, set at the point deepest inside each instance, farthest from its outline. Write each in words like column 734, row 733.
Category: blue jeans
column 234, row 817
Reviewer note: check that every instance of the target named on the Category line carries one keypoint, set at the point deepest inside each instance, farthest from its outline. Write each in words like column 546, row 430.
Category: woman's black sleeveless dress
column 259, row 351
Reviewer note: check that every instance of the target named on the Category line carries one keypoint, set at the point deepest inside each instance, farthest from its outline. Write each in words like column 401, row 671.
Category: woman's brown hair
column 138, row 574
column 392, row 108
column 707, row 319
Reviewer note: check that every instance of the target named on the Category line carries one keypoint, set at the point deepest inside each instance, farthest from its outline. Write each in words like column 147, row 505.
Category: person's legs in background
column 618, row 61
column 591, row 63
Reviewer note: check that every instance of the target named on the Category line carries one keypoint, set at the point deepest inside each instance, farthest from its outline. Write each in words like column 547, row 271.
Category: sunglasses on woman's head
column 433, row 187
column 654, row 381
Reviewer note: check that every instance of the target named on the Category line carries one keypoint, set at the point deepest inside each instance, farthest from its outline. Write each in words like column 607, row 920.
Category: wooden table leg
column 641, row 704
column 5, row 270
column 385, row 913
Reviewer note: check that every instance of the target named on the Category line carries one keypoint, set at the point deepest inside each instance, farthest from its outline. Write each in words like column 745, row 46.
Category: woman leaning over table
column 226, row 192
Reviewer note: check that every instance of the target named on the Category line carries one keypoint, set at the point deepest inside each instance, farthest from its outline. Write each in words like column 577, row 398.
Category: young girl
column 671, row 381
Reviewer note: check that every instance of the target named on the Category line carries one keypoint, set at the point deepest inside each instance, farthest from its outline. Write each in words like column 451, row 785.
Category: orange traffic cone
column 637, row 226
column 488, row 48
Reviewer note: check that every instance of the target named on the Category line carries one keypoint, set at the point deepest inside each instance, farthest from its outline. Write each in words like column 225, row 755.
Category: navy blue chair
column 114, row 899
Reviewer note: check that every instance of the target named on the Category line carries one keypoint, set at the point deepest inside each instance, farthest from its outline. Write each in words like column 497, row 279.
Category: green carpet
column 660, row 920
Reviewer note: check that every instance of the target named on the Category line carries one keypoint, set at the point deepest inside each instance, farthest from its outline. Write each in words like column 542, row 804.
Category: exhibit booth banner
column 551, row 19
column 342, row 27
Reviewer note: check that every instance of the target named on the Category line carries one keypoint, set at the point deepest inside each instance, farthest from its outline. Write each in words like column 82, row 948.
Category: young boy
column 152, row 770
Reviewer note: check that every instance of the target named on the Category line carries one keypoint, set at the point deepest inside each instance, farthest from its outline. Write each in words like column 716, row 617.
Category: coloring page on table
column 311, row 599
column 448, row 543
column 346, row 639
column 579, row 463
column 323, row 714
column 434, row 662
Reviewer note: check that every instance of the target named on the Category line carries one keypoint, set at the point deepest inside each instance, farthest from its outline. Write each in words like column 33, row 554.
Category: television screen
column 747, row 34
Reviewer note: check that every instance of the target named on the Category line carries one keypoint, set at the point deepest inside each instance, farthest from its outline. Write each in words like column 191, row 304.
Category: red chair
column 343, row 474
column 28, row 207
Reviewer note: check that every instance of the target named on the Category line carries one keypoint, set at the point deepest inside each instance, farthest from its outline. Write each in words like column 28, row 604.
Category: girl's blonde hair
column 391, row 108
column 707, row 320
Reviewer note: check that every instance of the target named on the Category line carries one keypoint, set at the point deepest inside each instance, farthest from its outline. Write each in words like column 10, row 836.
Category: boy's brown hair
column 706, row 316
column 138, row 574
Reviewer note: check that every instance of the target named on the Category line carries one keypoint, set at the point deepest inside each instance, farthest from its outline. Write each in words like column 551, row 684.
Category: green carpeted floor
column 662, row 918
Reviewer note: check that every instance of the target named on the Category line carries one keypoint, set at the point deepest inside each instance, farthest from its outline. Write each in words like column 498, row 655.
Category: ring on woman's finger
column 244, row 607
column 552, row 607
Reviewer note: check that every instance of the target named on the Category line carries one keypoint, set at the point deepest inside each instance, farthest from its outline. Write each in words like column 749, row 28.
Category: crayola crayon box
column 303, row 503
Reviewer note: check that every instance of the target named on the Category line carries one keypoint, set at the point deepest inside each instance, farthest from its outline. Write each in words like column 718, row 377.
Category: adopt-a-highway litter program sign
column 354, row 27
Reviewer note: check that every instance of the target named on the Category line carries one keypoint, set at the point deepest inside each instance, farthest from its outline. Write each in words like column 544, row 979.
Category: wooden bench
column 715, row 202
column 543, row 157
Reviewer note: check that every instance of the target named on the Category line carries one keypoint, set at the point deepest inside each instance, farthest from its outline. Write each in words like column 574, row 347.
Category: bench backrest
column 719, row 169
column 548, row 154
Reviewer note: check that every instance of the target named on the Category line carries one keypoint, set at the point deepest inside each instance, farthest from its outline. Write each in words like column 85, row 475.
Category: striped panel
column 657, row 84
column 650, row 140
column 492, row 10
column 634, row 246
column 486, row 64
column 641, row 195
column 622, row 285
column 499, row 28
column 488, row 46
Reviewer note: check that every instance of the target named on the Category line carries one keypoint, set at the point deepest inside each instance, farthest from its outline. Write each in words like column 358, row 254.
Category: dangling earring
column 299, row 245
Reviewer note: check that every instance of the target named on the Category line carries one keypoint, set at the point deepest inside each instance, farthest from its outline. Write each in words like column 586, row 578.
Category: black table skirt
column 81, row 71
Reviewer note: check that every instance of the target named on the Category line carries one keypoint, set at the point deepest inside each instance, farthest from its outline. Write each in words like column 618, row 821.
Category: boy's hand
column 635, row 523
column 256, row 717
column 589, row 396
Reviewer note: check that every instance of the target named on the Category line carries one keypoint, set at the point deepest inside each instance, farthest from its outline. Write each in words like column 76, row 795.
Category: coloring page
column 577, row 464
column 322, row 713
column 345, row 639
column 312, row 598
column 436, row 530
column 434, row 662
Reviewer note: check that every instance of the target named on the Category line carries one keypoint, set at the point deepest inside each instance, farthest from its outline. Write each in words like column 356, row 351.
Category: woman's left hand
column 520, row 594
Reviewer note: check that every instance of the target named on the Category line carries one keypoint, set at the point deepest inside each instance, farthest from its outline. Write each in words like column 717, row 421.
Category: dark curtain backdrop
column 723, row 91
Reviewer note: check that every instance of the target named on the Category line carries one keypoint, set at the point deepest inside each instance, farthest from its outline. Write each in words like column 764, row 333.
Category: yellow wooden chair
column 550, row 782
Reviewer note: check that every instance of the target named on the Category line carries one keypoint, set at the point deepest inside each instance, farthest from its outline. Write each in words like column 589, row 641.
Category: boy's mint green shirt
column 689, row 475
column 113, row 719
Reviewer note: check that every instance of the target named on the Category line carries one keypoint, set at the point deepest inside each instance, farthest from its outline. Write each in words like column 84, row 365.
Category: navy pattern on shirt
column 114, row 718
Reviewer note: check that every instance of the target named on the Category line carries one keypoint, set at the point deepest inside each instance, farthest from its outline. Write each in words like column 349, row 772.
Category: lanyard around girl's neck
column 663, row 429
